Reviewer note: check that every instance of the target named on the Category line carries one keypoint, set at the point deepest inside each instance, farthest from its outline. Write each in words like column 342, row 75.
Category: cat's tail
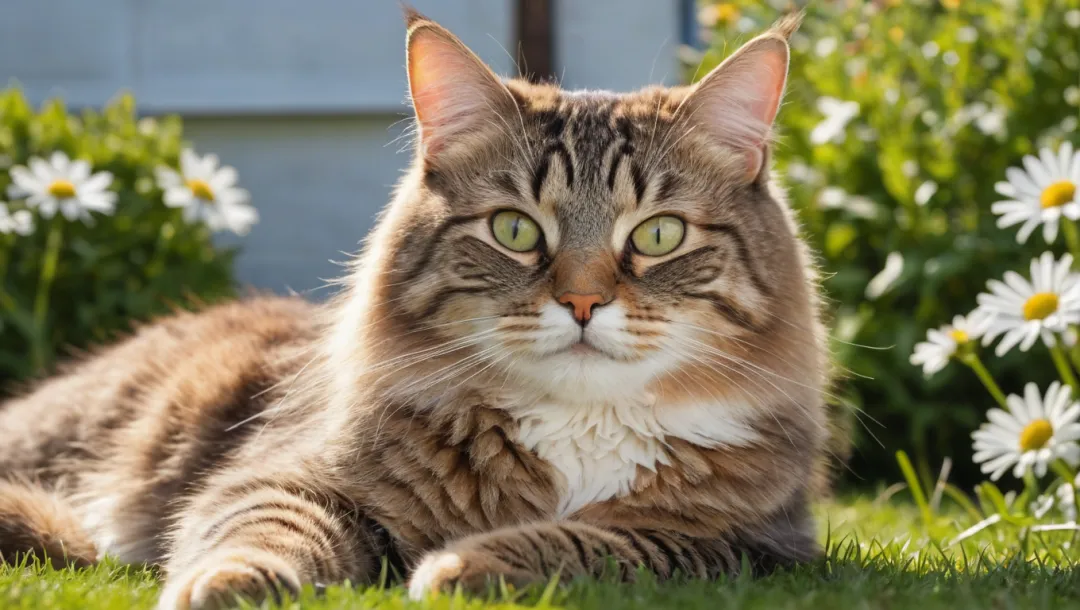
column 37, row 522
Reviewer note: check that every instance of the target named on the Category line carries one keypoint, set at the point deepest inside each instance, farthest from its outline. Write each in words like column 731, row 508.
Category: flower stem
column 1031, row 485
column 1062, row 364
column 973, row 361
column 39, row 349
column 1072, row 239
column 161, row 247
column 1063, row 470
column 1074, row 351
column 5, row 298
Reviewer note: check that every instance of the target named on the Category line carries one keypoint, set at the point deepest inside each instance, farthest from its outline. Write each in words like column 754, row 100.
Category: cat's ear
column 453, row 92
column 737, row 102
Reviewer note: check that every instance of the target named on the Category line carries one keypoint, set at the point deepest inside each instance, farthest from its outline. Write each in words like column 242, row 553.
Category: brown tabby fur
column 265, row 444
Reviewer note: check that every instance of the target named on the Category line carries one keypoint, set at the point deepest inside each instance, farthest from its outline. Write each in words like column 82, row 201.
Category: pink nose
column 582, row 304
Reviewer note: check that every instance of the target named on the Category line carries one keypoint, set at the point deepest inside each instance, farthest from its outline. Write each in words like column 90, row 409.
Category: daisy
column 838, row 114
column 884, row 280
column 19, row 222
column 925, row 191
column 62, row 184
column 1031, row 434
column 1020, row 311
column 1066, row 499
column 942, row 343
column 207, row 193
column 1042, row 505
column 1042, row 194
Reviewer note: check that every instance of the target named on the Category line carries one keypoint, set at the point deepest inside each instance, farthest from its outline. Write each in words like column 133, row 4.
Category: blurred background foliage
column 898, row 119
column 141, row 261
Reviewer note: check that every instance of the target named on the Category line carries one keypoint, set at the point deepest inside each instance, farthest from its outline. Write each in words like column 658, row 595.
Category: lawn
column 880, row 556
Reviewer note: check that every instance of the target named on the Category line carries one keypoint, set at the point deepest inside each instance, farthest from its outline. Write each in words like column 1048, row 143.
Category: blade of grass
column 916, row 487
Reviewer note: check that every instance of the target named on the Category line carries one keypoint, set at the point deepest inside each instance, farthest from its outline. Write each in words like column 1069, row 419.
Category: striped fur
column 447, row 411
column 35, row 521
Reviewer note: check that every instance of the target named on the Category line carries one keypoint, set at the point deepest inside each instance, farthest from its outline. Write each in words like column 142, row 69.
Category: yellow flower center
column 727, row 12
column 1040, row 305
column 959, row 336
column 62, row 189
column 1035, row 435
column 201, row 189
column 896, row 33
column 1057, row 194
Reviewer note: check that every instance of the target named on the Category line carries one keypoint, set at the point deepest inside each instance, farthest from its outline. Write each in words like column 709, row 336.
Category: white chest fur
column 598, row 448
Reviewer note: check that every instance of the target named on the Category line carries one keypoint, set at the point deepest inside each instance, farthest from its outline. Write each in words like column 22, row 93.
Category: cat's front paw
column 474, row 571
column 220, row 580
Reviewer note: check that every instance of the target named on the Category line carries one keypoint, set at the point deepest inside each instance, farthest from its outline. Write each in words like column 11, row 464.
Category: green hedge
column 140, row 261
column 949, row 94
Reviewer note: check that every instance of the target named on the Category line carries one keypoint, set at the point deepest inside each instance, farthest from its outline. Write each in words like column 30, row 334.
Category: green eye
column 515, row 231
column 658, row 235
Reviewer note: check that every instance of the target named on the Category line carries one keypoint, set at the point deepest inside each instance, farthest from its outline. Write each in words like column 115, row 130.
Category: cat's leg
column 537, row 552
column 260, row 537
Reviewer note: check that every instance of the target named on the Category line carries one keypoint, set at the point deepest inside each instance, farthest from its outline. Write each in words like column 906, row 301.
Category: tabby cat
column 583, row 337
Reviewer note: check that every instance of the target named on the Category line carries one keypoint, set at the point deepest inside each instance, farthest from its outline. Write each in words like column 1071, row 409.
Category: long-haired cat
column 584, row 330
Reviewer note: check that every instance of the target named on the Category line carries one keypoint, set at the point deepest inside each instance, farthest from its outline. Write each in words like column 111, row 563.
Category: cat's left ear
column 737, row 102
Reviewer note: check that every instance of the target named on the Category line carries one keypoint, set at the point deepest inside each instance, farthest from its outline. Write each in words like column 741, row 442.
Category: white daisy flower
column 942, row 343
column 1042, row 194
column 1034, row 432
column 967, row 34
column 825, row 46
column 1066, row 499
column 884, row 280
column 1042, row 505
column 925, row 192
column 838, row 114
column 62, row 184
column 207, row 193
column 19, row 222
column 992, row 122
column 1020, row 311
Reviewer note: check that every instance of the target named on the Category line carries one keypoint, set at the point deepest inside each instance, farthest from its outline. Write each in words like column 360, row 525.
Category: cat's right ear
column 454, row 94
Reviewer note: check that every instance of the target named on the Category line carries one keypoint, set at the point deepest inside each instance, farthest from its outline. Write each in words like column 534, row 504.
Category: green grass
column 880, row 556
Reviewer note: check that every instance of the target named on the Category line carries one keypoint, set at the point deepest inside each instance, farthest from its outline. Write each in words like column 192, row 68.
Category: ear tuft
column 412, row 16
column 787, row 25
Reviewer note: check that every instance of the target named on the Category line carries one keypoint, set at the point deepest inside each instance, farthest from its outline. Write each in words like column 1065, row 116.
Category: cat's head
column 589, row 244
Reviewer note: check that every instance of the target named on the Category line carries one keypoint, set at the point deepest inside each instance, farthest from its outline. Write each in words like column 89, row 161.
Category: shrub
column 899, row 119
column 74, row 282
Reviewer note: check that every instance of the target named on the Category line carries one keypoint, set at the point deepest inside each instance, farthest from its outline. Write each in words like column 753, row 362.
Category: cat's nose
column 582, row 305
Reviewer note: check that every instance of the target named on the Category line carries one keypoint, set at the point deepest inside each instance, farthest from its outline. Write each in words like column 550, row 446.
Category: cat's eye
column 658, row 235
column 515, row 231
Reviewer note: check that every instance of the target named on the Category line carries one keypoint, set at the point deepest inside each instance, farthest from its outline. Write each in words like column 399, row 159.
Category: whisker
column 705, row 348
column 745, row 343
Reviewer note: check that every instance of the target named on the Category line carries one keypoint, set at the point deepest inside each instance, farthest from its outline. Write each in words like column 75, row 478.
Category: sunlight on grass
column 880, row 555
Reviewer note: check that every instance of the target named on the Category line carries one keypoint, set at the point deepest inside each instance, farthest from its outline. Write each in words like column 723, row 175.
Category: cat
column 583, row 337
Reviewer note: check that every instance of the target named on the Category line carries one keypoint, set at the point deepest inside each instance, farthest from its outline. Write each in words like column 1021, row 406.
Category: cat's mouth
column 583, row 348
